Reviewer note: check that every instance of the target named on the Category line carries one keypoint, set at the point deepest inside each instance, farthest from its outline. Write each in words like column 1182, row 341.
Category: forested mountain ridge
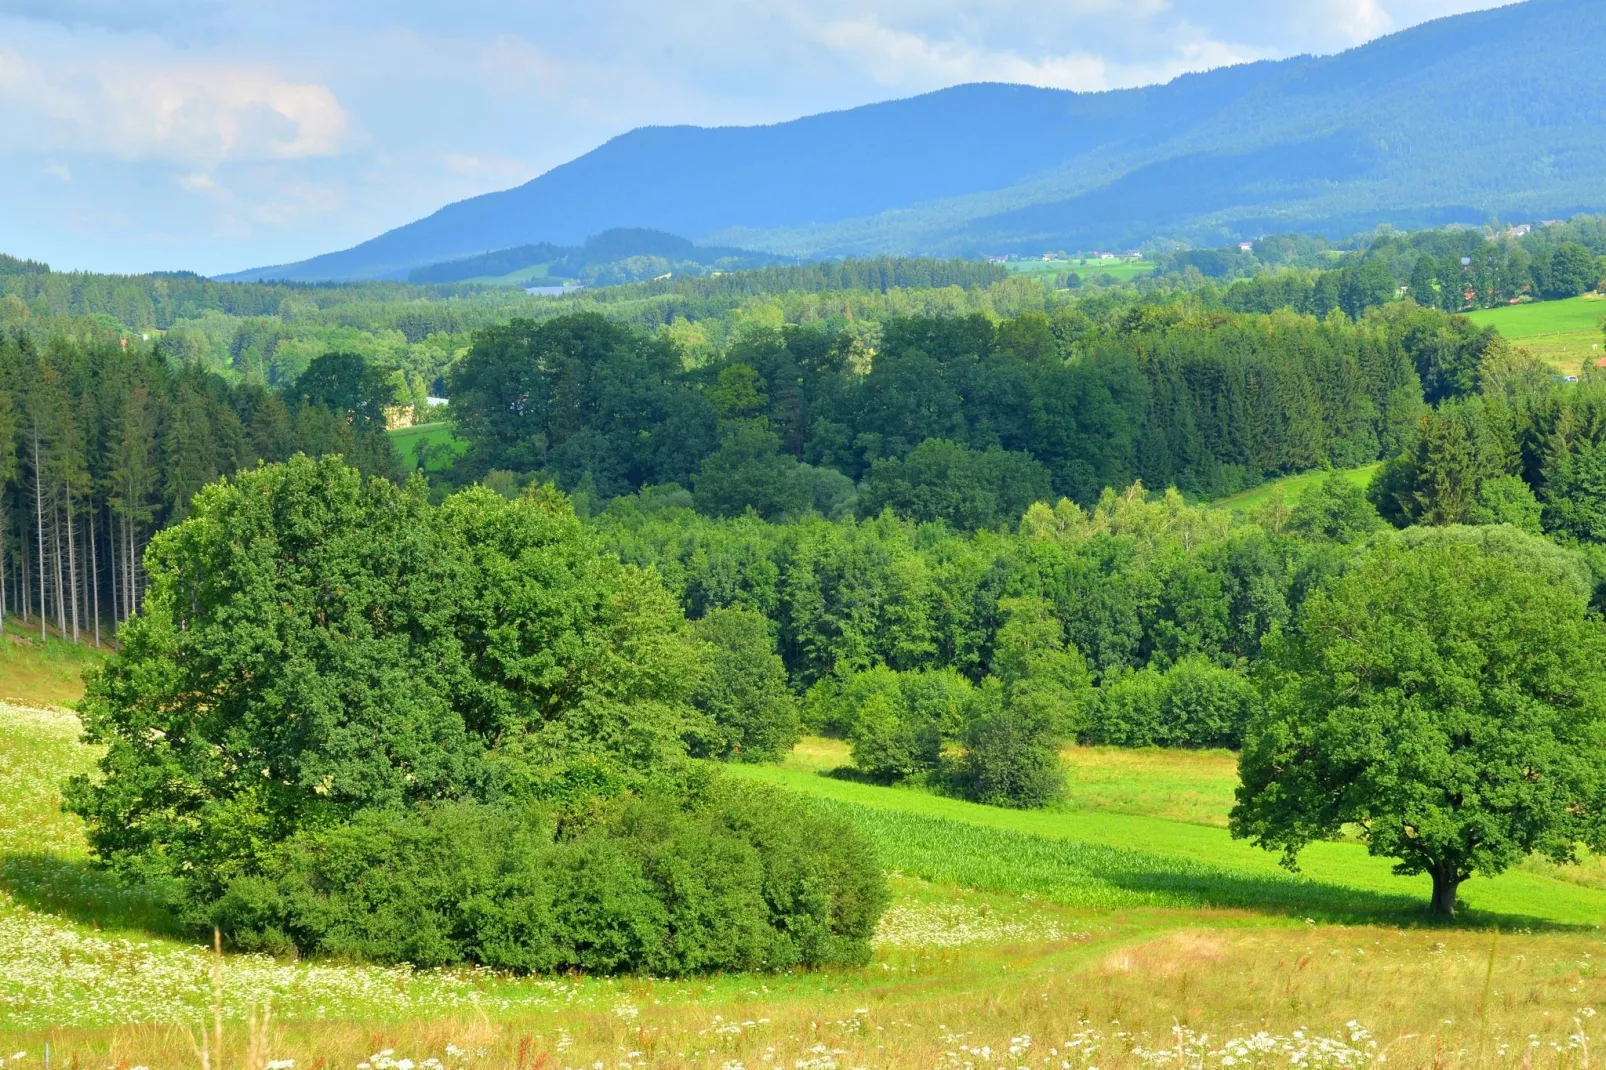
column 1491, row 113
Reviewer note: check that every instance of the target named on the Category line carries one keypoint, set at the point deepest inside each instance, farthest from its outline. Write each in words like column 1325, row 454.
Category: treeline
column 967, row 660
column 1454, row 270
column 158, row 301
column 878, row 275
column 1526, row 451
column 929, row 415
column 103, row 443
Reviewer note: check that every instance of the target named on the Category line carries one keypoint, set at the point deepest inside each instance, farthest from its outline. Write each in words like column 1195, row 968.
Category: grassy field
column 1564, row 334
column 1291, row 488
column 408, row 439
column 1147, row 827
column 1121, row 929
column 1123, row 270
column 41, row 674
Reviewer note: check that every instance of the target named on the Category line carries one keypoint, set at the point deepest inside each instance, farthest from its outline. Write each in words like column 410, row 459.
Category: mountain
column 1498, row 112
column 618, row 255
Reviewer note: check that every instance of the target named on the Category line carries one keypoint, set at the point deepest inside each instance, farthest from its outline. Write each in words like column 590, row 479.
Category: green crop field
column 1291, row 488
column 1087, row 851
column 408, row 439
column 1564, row 334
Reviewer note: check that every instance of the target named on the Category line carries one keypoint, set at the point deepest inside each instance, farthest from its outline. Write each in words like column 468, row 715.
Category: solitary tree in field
column 1447, row 696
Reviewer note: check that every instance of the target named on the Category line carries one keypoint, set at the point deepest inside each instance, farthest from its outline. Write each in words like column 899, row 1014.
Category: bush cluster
column 740, row 878
column 997, row 743
column 354, row 723
column 1191, row 704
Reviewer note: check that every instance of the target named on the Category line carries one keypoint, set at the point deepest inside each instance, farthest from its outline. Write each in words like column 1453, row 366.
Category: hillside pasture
column 1174, row 851
column 408, row 439
column 1564, row 334
column 1291, row 488
column 1122, row 270
column 46, row 672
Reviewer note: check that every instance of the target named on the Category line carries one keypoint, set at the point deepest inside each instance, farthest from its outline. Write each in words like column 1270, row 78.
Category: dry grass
column 1419, row 995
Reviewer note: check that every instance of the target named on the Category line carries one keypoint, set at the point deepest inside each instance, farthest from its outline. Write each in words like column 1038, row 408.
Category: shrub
column 899, row 732
column 314, row 644
column 897, row 722
column 740, row 878
column 1192, row 704
column 1009, row 759
column 745, row 692
column 1337, row 510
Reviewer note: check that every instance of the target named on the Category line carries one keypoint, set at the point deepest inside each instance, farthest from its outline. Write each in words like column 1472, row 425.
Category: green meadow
column 1564, row 334
column 408, row 439
column 1291, row 488
column 1121, row 270
column 1089, row 851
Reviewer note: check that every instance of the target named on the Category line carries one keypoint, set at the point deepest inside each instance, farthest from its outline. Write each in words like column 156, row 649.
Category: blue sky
column 217, row 135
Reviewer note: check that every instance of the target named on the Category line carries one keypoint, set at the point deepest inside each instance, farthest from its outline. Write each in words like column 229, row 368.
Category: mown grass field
column 1122, row 928
column 1291, row 488
column 408, row 439
column 1564, row 334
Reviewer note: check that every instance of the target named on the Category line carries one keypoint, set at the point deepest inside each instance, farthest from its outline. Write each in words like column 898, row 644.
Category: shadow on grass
column 1077, row 874
column 73, row 888
column 855, row 776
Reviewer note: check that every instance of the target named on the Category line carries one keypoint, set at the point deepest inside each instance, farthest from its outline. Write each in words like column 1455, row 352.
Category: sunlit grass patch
column 1564, row 334
column 44, row 672
column 1100, row 858
column 1292, row 488
column 407, row 440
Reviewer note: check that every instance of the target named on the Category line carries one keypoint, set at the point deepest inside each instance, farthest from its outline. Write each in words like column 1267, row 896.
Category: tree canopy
column 1446, row 695
column 315, row 643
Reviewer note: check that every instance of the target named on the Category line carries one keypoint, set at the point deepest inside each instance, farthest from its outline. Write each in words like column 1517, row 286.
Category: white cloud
column 217, row 134
column 187, row 114
column 1363, row 20
column 902, row 58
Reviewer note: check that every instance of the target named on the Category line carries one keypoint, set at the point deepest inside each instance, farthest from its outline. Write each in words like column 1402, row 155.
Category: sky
column 216, row 135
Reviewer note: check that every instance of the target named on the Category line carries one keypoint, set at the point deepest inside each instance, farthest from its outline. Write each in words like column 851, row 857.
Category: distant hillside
column 1492, row 113
column 612, row 257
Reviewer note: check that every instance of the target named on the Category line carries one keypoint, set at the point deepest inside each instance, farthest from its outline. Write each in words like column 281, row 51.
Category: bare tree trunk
column 1446, row 879
column 27, row 591
column 5, row 534
column 133, row 569
column 111, row 560
column 94, row 577
column 39, row 527
column 72, row 564
column 55, row 563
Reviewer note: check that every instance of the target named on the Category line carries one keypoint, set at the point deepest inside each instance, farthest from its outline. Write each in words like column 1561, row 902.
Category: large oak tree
column 1447, row 696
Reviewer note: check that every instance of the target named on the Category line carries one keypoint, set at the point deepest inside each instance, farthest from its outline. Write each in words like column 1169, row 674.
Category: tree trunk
column 39, row 527
column 1446, row 879
column 112, row 555
column 5, row 533
column 72, row 563
column 94, row 573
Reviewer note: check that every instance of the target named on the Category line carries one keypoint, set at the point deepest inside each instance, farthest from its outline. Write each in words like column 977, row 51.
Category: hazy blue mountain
column 1497, row 112
column 649, row 251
